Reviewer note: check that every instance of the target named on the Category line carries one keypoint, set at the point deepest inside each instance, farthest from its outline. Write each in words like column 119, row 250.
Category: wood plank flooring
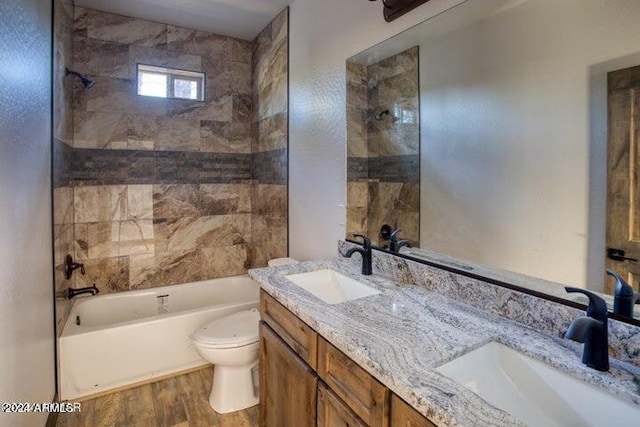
column 181, row 401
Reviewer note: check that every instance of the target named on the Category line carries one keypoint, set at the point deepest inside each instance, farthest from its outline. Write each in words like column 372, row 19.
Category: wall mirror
column 527, row 148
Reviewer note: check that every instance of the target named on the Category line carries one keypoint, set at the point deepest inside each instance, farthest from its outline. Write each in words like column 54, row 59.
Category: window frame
column 173, row 74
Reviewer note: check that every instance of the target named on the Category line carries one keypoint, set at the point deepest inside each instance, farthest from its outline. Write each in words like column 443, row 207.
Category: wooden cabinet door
column 403, row 415
column 297, row 334
column 332, row 412
column 623, row 176
column 288, row 386
column 365, row 395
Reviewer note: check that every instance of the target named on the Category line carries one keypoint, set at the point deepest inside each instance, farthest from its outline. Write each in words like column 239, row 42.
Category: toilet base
column 233, row 388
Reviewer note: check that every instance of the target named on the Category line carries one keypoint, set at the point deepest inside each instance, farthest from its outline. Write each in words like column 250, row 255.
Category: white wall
column 514, row 131
column 323, row 35
column 26, row 300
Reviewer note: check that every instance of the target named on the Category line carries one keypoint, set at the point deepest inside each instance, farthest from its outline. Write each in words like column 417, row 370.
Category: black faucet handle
column 366, row 241
column 394, row 235
column 597, row 308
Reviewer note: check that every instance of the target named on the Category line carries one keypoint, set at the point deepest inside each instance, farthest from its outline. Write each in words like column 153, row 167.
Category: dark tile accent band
column 395, row 168
column 270, row 167
column 126, row 167
column 357, row 168
column 62, row 158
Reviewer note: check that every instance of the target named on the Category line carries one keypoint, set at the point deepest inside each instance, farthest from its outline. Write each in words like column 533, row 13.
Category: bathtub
column 112, row 341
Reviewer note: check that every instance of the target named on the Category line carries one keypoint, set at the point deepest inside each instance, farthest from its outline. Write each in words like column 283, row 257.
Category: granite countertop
column 400, row 335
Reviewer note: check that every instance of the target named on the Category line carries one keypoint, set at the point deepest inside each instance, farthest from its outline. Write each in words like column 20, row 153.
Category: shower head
column 87, row 83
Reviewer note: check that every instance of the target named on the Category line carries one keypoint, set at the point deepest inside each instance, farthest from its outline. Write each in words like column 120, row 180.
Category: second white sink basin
column 534, row 392
column 331, row 286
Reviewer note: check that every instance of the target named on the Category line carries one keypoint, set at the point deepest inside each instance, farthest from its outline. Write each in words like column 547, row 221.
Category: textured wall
column 383, row 146
column 269, row 232
column 26, row 286
column 323, row 35
column 62, row 153
column 162, row 190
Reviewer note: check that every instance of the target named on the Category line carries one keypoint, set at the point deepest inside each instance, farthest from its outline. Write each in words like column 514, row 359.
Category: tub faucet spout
column 93, row 290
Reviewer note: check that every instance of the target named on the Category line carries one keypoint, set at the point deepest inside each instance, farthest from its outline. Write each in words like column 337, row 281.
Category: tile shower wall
column 62, row 153
column 162, row 189
column 269, row 210
column 383, row 148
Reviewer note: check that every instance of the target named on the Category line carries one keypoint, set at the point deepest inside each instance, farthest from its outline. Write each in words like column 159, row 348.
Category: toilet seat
column 236, row 330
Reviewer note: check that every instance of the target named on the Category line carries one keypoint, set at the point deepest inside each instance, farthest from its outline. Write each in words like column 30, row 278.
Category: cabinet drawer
column 332, row 412
column 403, row 415
column 297, row 334
column 366, row 397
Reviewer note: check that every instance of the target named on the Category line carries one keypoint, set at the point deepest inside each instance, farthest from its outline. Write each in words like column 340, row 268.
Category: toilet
column 231, row 344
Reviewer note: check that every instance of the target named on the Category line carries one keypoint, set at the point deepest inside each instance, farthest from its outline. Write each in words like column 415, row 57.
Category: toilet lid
column 235, row 330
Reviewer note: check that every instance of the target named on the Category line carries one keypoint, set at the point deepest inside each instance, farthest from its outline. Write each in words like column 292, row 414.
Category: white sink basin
column 331, row 286
column 536, row 393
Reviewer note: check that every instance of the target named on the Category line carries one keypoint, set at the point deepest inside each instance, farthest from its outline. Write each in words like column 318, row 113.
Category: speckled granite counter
column 400, row 335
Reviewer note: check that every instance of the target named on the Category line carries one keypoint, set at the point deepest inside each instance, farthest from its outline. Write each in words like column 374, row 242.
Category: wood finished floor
column 179, row 401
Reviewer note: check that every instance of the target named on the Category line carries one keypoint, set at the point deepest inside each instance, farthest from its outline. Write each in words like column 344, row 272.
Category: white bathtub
column 111, row 341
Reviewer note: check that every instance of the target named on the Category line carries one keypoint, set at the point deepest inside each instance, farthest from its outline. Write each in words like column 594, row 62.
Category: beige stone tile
column 63, row 242
column 268, row 239
column 140, row 201
column 191, row 233
column 272, row 133
column 270, row 200
column 357, row 222
column 224, row 137
column 108, row 274
column 100, row 58
column 220, row 199
column 100, row 203
column 357, row 194
column 199, row 43
column 176, row 200
column 273, row 99
column 280, row 27
column 166, row 268
column 100, row 130
column 118, row 28
column 143, row 131
column 63, row 205
column 217, row 109
column 225, row 261
column 111, row 239
column 179, row 133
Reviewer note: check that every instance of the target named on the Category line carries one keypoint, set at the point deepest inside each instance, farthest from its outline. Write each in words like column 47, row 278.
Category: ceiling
column 242, row 19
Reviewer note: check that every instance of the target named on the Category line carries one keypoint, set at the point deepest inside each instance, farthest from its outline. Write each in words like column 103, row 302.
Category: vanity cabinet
column 365, row 395
column 403, row 415
column 288, row 386
column 305, row 381
column 333, row 412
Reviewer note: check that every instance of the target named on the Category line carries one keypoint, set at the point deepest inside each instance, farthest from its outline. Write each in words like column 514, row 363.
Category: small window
column 164, row 82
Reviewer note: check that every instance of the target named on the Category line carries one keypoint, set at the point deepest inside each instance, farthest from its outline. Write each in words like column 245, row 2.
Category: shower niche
column 383, row 146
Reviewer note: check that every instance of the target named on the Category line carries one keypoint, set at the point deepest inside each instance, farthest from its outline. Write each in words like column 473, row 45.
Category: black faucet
column 625, row 298
column 88, row 290
column 365, row 251
column 593, row 331
column 395, row 244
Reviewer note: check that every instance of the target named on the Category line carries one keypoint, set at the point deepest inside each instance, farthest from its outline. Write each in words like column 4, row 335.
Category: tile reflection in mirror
column 383, row 147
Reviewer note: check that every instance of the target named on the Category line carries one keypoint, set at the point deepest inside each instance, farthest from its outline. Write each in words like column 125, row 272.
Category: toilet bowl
column 231, row 344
